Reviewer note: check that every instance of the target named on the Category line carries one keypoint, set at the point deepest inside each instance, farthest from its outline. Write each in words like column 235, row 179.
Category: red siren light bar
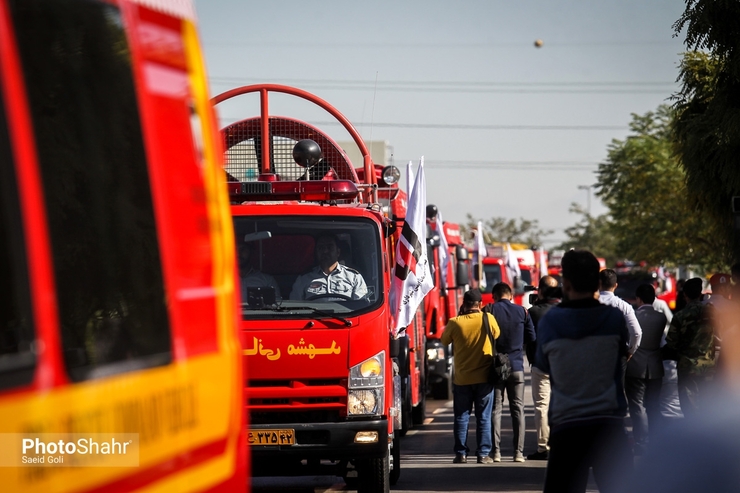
column 317, row 191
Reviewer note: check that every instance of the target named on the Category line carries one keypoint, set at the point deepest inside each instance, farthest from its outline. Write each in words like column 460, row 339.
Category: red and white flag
column 512, row 264
column 412, row 278
column 478, row 254
column 444, row 249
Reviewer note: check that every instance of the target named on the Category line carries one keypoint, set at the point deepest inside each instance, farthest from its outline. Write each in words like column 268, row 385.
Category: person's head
column 580, row 272
column 607, row 280
column 548, row 288
column 501, row 291
column 645, row 294
column 471, row 301
column 720, row 284
column 692, row 288
column 327, row 250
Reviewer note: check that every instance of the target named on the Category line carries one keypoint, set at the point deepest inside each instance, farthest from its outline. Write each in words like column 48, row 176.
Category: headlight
column 391, row 175
column 432, row 354
column 366, row 387
column 369, row 373
column 362, row 402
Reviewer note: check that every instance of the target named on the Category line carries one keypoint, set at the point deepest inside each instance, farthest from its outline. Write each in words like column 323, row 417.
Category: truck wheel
column 405, row 407
column 419, row 413
column 374, row 476
column 396, row 454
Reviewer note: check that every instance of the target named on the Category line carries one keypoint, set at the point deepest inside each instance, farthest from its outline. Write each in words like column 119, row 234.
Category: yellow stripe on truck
column 175, row 408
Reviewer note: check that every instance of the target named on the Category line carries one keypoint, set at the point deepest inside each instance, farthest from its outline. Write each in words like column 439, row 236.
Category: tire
column 406, row 421
column 396, row 454
column 419, row 413
column 374, row 476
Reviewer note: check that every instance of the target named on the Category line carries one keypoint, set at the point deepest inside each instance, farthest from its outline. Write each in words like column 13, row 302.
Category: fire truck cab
column 324, row 386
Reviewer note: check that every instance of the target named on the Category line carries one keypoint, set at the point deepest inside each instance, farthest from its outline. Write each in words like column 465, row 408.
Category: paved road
column 426, row 458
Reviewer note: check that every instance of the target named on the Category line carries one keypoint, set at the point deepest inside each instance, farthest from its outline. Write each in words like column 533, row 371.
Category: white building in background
column 380, row 150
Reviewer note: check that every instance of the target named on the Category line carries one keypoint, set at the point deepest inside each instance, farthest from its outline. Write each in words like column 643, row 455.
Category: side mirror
column 463, row 274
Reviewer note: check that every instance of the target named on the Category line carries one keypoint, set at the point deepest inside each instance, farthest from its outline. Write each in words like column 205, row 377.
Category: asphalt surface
column 426, row 460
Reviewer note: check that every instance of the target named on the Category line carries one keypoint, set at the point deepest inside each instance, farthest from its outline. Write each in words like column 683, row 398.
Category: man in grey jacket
column 644, row 373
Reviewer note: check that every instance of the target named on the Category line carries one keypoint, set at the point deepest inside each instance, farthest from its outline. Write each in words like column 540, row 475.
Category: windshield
column 307, row 267
column 524, row 280
column 493, row 276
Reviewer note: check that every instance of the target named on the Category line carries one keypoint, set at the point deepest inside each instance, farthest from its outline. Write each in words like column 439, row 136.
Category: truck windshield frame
column 493, row 276
column 282, row 256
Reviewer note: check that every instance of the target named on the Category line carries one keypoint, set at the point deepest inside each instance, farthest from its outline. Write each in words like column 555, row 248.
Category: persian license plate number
column 272, row 437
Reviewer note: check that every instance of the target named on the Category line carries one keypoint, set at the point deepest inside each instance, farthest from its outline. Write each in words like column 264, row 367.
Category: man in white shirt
column 607, row 285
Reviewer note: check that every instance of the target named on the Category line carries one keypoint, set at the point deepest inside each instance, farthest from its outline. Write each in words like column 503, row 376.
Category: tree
column 707, row 125
column 591, row 233
column 645, row 190
column 499, row 229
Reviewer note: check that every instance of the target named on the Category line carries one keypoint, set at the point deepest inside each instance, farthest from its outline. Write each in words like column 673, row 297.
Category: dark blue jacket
column 516, row 330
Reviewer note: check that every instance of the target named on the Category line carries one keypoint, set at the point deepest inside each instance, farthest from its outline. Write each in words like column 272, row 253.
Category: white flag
column 543, row 264
column 444, row 249
column 512, row 263
column 480, row 252
column 412, row 278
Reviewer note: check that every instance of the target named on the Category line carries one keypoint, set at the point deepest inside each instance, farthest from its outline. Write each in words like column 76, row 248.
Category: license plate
column 272, row 437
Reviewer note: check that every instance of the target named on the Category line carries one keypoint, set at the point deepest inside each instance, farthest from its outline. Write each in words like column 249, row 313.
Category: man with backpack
column 473, row 355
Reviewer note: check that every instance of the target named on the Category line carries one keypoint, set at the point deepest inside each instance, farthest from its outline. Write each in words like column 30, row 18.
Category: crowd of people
column 608, row 379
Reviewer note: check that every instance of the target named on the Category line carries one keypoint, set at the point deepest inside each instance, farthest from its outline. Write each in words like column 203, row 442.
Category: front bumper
column 326, row 441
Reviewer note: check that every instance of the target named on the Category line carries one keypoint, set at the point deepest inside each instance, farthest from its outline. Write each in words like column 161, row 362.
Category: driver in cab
column 329, row 276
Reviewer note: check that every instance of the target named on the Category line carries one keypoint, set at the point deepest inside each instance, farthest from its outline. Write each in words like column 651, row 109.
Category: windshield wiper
column 347, row 323
column 316, row 311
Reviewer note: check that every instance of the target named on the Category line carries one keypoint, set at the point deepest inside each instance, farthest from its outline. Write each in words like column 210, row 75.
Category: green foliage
column 707, row 125
column 591, row 233
column 712, row 25
column 644, row 188
column 499, row 229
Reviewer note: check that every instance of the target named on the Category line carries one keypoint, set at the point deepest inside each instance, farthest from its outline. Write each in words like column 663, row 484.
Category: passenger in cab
column 249, row 277
column 329, row 277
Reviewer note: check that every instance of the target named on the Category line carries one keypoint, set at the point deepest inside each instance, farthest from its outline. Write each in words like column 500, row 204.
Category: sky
column 506, row 129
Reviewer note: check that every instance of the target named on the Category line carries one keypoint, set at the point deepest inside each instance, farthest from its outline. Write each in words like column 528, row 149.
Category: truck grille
column 297, row 401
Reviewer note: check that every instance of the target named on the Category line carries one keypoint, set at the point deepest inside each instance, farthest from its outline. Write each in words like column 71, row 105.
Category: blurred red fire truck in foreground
column 117, row 321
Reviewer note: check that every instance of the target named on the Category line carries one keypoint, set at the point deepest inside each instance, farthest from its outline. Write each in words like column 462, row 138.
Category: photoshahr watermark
column 69, row 450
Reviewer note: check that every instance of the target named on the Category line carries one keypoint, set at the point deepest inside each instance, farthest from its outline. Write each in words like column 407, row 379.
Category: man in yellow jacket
column 473, row 356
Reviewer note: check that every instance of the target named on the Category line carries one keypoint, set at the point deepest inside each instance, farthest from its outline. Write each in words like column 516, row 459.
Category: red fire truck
column 443, row 301
column 325, row 373
column 117, row 323
column 495, row 270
